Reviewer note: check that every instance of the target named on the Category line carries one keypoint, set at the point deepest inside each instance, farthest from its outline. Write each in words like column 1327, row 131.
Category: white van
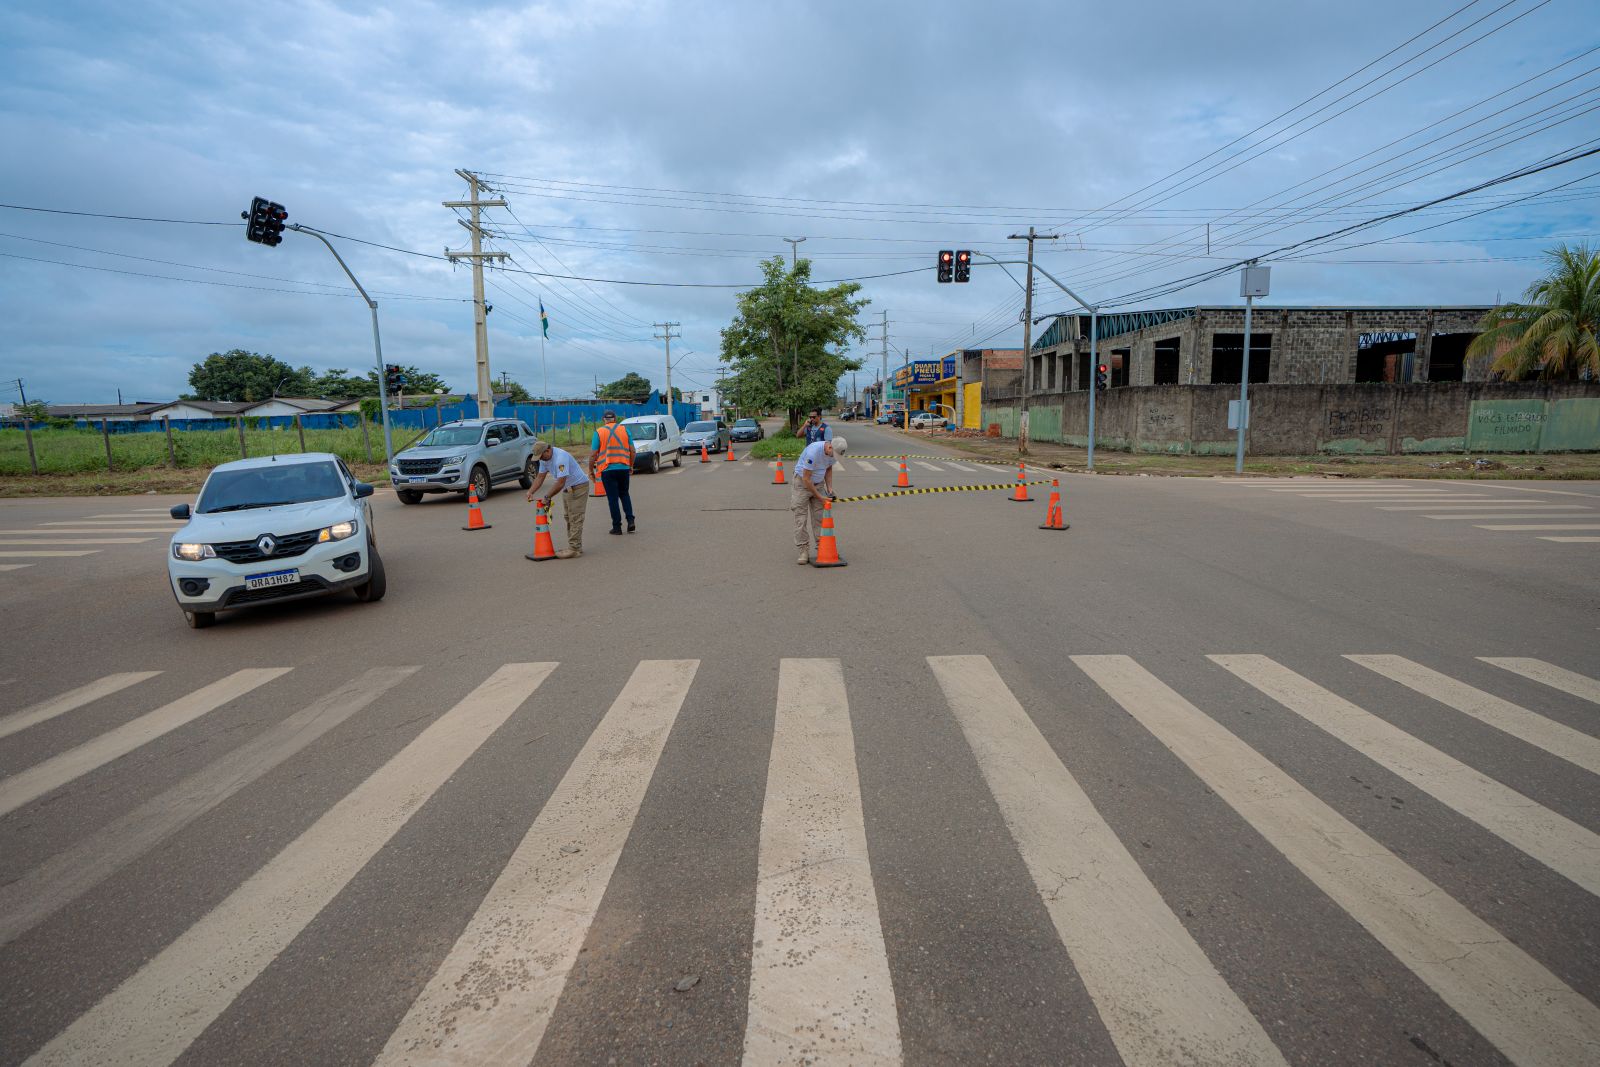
column 655, row 440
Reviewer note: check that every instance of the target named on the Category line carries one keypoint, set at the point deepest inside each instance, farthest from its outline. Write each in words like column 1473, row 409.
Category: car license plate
column 267, row 581
column 423, row 479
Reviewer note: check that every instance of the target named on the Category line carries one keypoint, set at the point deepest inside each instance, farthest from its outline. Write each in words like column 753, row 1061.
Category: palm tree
column 1552, row 333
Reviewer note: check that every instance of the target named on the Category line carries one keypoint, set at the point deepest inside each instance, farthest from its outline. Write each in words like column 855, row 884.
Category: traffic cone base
column 474, row 513
column 543, row 546
column 777, row 474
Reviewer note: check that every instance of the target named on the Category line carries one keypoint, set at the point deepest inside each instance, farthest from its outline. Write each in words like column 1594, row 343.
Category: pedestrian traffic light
column 963, row 266
column 264, row 222
column 1100, row 376
column 947, row 261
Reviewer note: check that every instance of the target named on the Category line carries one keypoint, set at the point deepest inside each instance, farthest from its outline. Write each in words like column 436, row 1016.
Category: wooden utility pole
column 1027, row 334
column 477, row 256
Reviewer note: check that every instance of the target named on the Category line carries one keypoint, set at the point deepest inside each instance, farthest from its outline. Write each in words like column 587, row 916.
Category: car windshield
column 265, row 487
column 640, row 431
column 748, row 424
column 700, row 427
column 449, row 436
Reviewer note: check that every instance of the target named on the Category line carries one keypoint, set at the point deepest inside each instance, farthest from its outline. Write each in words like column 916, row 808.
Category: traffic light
column 264, row 222
column 1100, row 376
column 963, row 266
column 947, row 261
column 393, row 377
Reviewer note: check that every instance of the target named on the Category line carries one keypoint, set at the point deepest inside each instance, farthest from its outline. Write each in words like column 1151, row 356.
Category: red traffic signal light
column 264, row 222
column 963, row 266
column 947, row 261
column 1102, row 368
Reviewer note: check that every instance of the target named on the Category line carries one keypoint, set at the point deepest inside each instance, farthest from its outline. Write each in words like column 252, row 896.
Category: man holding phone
column 811, row 486
column 814, row 429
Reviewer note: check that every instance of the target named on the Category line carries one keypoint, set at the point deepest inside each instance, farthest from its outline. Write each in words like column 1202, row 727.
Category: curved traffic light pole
column 1094, row 333
column 377, row 346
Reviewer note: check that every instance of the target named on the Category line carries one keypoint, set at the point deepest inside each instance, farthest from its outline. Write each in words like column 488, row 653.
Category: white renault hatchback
column 272, row 529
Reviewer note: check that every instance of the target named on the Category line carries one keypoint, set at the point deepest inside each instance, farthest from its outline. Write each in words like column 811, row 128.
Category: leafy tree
column 778, row 345
column 35, row 410
column 417, row 381
column 630, row 386
column 519, row 395
column 339, row 382
column 240, row 375
column 1551, row 334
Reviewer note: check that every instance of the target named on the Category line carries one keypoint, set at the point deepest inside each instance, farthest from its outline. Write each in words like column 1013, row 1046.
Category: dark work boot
column 630, row 526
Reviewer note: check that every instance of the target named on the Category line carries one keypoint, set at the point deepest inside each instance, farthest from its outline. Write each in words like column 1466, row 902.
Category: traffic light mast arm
column 377, row 345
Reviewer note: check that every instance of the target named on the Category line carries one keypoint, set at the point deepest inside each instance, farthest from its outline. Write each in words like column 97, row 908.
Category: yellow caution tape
column 936, row 489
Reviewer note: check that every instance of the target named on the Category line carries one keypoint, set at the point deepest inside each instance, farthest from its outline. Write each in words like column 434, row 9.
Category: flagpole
column 544, row 369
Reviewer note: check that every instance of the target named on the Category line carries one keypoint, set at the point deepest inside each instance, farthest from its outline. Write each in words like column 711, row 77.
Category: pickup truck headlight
column 193, row 553
column 456, row 459
column 338, row 531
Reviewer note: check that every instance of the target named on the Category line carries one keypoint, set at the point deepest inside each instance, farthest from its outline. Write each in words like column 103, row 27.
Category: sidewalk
column 1477, row 465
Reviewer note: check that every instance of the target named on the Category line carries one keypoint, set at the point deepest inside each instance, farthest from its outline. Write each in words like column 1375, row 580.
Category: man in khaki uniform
column 811, row 486
column 568, row 475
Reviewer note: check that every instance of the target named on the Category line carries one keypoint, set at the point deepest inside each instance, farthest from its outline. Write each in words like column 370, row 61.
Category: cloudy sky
column 678, row 143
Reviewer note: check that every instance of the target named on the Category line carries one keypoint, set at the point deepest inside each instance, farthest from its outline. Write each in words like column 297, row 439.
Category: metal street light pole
column 377, row 346
column 794, row 251
column 1254, row 281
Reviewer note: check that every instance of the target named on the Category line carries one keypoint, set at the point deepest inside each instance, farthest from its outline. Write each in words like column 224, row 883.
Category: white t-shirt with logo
column 814, row 459
column 562, row 465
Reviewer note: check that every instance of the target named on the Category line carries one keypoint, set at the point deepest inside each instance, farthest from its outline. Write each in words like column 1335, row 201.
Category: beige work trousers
column 574, row 504
column 804, row 506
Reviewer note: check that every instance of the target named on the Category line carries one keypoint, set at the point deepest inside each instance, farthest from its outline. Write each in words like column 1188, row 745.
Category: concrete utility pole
column 1027, row 333
column 883, row 382
column 794, row 251
column 1254, row 281
column 667, row 335
column 477, row 256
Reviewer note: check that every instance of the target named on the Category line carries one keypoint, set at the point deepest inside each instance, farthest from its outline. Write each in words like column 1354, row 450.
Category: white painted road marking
column 1574, row 540
column 36, row 781
column 492, row 997
column 1520, row 505
column 1499, row 515
column 71, row 700
column 95, row 530
column 819, row 973
column 40, row 553
column 1554, row 840
column 925, row 466
column 1520, row 528
column 1159, row 996
column 1533, row 1017
column 158, row 1012
column 14, row 566
column 864, row 465
column 1569, row 682
column 1537, row 730
column 67, row 875
column 13, row 542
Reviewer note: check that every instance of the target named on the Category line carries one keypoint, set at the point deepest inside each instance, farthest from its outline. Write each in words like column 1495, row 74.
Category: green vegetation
column 1551, row 334
column 631, row 386
column 785, row 347
column 240, row 375
column 782, row 441
column 75, row 451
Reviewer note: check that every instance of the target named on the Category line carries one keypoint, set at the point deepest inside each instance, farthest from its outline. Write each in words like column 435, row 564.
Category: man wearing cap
column 611, row 460
column 811, row 486
column 569, row 476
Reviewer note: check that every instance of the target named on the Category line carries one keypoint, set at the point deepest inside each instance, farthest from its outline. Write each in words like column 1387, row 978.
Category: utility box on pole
column 1255, row 281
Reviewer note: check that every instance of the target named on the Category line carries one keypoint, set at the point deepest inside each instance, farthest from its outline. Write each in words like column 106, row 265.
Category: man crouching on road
column 569, row 476
column 806, row 495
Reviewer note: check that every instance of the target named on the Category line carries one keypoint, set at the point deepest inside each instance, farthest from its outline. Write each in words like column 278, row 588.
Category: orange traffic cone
column 1052, row 514
column 703, row 457
column 1021, row 495
column 777, row 475
column 543, row 547
column 597, row 485
column 827, row 550
column 904, row 481
column 474, row 512
column 730, row 451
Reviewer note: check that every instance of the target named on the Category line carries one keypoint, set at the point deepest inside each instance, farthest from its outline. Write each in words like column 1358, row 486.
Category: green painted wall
column 1571, row 426
column 1505, row 425
column 1044, row 424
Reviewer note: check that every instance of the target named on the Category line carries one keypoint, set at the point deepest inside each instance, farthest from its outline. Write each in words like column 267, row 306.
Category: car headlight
column 456, row 459
column 193, row 552
column 338, row 531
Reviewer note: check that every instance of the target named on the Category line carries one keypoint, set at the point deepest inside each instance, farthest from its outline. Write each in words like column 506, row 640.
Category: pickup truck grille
column 420, row 466
column 293, row 544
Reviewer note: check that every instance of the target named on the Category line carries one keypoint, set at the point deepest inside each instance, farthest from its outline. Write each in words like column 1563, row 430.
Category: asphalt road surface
column 1228, row 773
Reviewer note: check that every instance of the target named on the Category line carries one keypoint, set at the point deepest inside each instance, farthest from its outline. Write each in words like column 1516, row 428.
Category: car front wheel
column 199, row 620
column 376, row 585
column 480, row 482
column 409, row 496
column 526, row 481
column 677, row 458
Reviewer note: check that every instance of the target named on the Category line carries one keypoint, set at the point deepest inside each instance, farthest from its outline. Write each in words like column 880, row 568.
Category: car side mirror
column 180, row 511
column 491, row 442
column 363, row 489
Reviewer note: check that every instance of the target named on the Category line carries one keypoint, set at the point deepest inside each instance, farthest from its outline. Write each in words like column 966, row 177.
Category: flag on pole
column 544, row 320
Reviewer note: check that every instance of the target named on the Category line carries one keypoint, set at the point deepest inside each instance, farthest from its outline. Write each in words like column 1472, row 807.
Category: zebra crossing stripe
column 934, row 489
column 864, row 465
column 53, row 773
column 1554, row 840
column 19, row 541
column 492, row 997
column 1159, row 996
column 153, row 1016
column 819, row 972
column 1569, row 682
column 72, row 700
column 1534, row 1018
column 1556, row 738
column 64, row 877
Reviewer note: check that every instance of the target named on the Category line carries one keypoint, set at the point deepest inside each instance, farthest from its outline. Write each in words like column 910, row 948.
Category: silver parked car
column 471, row 453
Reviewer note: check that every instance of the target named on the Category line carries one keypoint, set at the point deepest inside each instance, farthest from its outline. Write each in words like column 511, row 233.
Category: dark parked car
column 747, row 430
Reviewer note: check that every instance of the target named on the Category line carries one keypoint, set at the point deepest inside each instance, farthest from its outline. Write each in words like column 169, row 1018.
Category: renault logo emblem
column 267, row 545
